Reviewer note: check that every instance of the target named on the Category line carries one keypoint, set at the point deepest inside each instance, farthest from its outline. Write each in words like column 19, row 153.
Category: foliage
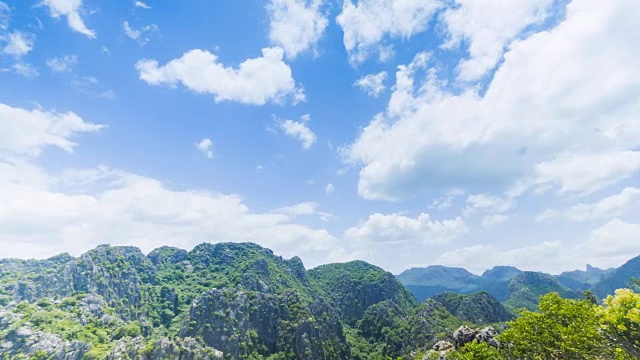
column 562, row 329
column 477, row 351
column 620, row 317
column 478, row 308
column 354, row 286
column 525, row 290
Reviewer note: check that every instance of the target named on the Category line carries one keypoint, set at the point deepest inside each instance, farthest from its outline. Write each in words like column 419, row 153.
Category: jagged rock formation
column 240, row 301
column 479, row 308
column 355, row 286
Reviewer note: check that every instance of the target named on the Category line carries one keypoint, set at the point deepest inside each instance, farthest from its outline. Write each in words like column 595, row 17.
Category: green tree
column 476, row 351
column 620, row 317
column 562, row 329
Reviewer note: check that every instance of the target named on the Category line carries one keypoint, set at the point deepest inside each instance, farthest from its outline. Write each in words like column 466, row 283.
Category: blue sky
column 405, row 133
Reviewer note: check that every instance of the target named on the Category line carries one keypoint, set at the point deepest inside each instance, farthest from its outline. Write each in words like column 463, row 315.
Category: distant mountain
column 581, row 279
column 427, row 282
column 618, row 278
column 501, row 273
column 478, row 308
column 525, row 290
column 432, row 280
column 513, row 287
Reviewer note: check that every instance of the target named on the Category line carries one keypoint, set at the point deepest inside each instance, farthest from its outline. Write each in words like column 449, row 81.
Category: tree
column 620, row 318
column 562, row 329
column 476, row 351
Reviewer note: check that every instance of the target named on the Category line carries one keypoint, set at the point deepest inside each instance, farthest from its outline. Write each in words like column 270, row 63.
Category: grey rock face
column 229, row 320
column 465, row 335
column 163, row 349
column 26, row 341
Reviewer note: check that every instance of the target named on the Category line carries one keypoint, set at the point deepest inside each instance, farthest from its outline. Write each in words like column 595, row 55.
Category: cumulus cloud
column 607, row 207
column 205, row 146
column 299, row 130
column 143, row 35
column 488, row 27
column 18, row 43
column 367, row 23
column 305, row 209
column 545, row 119
column 403, row 230
column 372, row 84
column 296, row 25
column 27, row 132
column 44, row 213
column 70, row 9
column 609, row 245
column 256, row 81
column 62, row 64
column 140, row 4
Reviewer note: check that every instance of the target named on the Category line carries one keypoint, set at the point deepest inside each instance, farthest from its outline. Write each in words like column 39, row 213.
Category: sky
column 405, row 133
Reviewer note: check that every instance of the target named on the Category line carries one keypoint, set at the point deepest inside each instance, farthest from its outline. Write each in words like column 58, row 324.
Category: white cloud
column 71, row 10
column 129, row 209
column 329, row 189
column 304, row 209
column 28, row 132
column 488, row 26
column 299, row 130
column 62, row 64
column 43, row 214
column 372, row 84
column 18, row 43
column 547, row 112
column 296, row 25
column 478, row 258
column 575, row 172
column 608, row 246
column 91, row 86
column 143, row 35
column 487, row 203
column 607, row 207
column 204, row 146
column 5, row 15
column 489, row 221
column 369, row 22
column 400, row 229
column 24, row 69
column 256, row 81
column 140, row 4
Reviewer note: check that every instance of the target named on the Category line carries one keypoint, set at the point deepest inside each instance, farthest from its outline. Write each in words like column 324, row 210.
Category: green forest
column 241, row 301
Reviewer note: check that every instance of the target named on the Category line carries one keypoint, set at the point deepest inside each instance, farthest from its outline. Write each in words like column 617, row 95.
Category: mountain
column 355, row 286
column 225, row 300
column 478, row 308
column 427, row 282
column 241, row 301
column 217, row 301
column 581, row 279
column 618, row 278
column 525, row 290
column 432, row 280
column 501, row 273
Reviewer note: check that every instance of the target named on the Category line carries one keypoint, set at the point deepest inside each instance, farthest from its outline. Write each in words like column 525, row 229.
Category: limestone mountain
column 525, row 290
column 355, row 286
column 478, row 308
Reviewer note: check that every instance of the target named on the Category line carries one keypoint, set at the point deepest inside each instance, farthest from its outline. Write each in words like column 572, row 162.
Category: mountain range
column 241, row 301
column 516, row 288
